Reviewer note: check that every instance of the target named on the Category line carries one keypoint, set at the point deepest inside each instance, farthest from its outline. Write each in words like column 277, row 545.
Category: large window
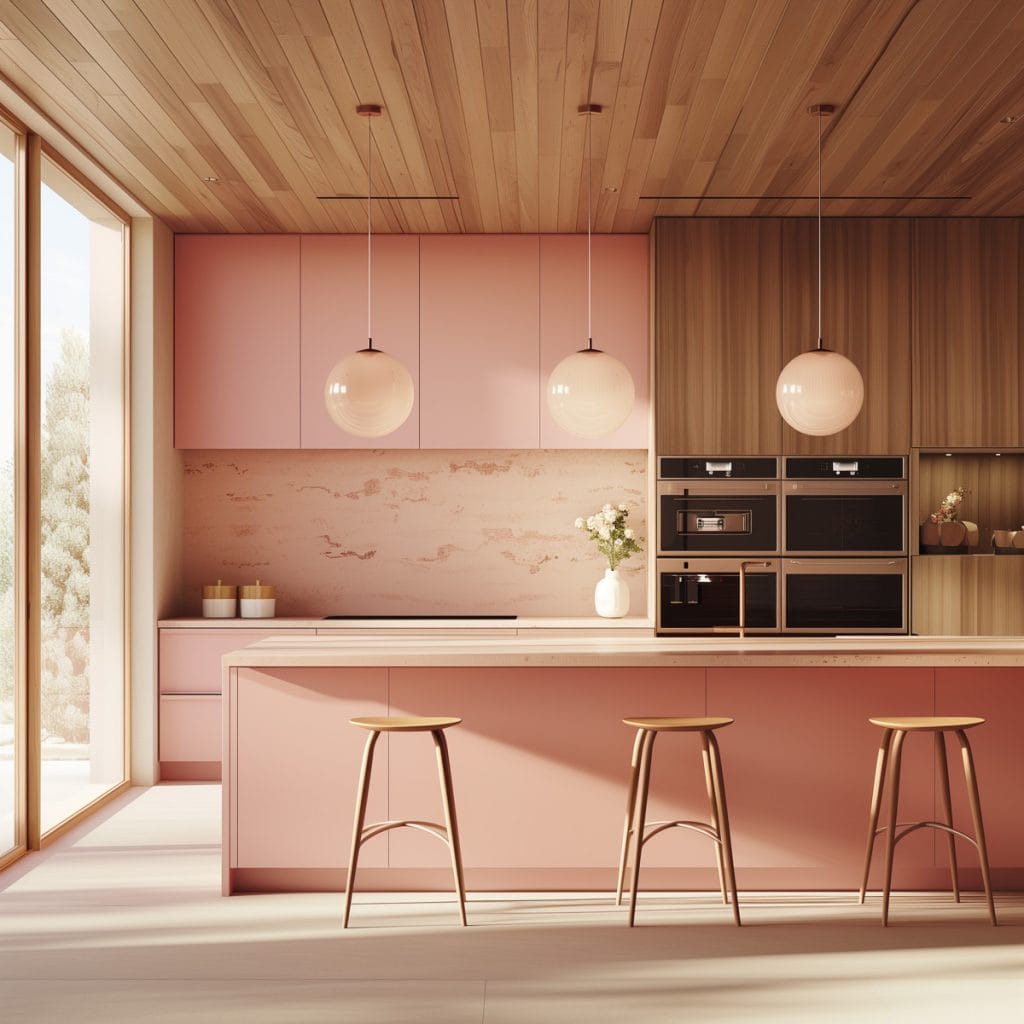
column 63, row 506
column 81, row 488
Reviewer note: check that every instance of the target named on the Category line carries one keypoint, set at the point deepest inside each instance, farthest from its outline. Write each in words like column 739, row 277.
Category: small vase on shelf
column 611, row 595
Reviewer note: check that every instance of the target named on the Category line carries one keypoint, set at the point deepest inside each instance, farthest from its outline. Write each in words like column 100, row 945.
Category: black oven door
column 845, row 595
column 849, row 518
column 727, row 518
column 702, row 595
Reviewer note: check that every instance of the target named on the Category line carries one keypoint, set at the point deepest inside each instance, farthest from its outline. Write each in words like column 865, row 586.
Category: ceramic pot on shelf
column 611, row 595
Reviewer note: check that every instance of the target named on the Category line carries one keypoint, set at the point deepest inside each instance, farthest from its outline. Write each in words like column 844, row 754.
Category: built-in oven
column 844, row 507
column 702, row 595
column 844, row 595
column 718, row 506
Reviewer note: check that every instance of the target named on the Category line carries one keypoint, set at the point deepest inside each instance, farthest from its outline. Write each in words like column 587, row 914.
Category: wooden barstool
column 636, row 822
column 889, row 756
column 448, row 832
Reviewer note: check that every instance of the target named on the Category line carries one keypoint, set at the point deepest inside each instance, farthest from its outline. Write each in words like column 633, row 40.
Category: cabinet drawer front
column 190, row 728
column 190, row 658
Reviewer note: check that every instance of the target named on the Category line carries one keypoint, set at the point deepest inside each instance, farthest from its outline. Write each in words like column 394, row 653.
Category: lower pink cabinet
column 190, row 702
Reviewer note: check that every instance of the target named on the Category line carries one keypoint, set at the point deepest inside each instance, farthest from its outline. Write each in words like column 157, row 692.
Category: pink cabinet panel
column 190, row 727
column 479, row 341
column 294, row 777
column 334, row 301
column 997, row 695
column 541, row 764
column 236, row 341
column 799, row 764
column 621, row 300
column 190, row 658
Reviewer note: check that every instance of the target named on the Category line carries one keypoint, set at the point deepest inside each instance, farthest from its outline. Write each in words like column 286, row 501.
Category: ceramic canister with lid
column 257, row 601
column 220, row 601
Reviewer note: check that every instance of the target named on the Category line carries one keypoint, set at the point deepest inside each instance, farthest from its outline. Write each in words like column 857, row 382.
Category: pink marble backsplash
column 417, row 532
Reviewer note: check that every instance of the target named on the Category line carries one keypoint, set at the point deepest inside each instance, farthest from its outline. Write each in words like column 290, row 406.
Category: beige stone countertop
column 629, row 651
column 631, row 623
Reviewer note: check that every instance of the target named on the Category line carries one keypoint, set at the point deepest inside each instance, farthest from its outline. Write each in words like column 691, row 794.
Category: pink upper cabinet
column 479, row 341
column 621, row 299
column 334, row 324
column 236, row 341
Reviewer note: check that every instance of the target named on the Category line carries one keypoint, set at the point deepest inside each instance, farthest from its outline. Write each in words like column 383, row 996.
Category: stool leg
column 646, row 754
column 947, row 808
column 979, row 828
column 627, row 827
column 444, row 770
column 715, row 820
column 890, row 836
column 722, row 815
column 876, row 803
column 360, row 819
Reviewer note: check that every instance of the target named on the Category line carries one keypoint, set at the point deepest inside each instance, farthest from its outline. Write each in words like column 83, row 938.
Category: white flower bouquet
column 615, row 540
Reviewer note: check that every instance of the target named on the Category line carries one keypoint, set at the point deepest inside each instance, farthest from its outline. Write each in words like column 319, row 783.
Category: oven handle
column 843, row 561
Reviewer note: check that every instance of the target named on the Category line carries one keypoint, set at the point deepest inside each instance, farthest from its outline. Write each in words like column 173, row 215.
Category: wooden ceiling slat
column 481, row 96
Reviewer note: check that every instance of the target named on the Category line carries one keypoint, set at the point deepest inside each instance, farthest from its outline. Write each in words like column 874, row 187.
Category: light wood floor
column 123, row 921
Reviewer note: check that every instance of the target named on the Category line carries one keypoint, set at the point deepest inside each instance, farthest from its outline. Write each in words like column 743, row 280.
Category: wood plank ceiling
column 703, row 98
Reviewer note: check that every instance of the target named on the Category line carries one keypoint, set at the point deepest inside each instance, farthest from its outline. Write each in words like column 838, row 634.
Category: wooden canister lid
column 219, row 592
column 258, row 591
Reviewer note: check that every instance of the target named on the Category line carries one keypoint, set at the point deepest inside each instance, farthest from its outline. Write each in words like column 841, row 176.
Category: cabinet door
column 865, row 316
column 799, row 766
column 621, row 298
column 190, row 727
column 294, row 781
column 479, row 341
column 966, row 336
column 717, row 344
column 236, row 341
column 190, row 658
column 334, row 297
column 540, row 766
column 997, row 695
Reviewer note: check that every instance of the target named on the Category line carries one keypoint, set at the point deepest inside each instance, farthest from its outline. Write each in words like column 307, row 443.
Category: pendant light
column 369, row 393
column 819, row 392
column 590, row 393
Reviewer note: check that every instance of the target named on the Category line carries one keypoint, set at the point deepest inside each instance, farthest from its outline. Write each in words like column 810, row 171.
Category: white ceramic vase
column 611, row 595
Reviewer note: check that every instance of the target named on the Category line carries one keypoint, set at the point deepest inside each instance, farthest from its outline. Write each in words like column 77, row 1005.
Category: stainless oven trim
column 841, row 487
column 726, row 489
column 716, row 564
column 895, row 566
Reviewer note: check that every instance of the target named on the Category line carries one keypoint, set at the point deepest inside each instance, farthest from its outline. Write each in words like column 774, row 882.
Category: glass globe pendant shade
column 369, row 393
column 590, row 393
column 819, row 392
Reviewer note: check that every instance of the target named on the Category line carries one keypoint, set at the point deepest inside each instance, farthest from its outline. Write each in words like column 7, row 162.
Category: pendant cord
column 370, row 243
column 820, row 343
column 590, row 190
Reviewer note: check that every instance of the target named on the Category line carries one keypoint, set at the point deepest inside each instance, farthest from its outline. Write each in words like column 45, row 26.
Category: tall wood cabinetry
column 737, row 299
column 717, row 335
column 968, row 292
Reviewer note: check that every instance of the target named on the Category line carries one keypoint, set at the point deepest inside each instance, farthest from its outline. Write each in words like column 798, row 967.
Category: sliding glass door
column 81, row 498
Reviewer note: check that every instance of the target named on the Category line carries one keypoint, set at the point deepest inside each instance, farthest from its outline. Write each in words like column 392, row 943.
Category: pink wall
column 362, row 532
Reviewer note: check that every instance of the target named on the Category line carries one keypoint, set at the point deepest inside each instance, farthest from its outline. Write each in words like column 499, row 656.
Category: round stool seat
column 925, row 723
column 404, row 723
column 677, row 724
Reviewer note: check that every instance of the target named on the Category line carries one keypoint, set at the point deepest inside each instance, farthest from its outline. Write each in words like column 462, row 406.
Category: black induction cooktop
column 386, row 616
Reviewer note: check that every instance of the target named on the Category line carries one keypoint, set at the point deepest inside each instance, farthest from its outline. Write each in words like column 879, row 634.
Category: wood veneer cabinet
column 967, row 292
column 866, row 313
column 717, row 336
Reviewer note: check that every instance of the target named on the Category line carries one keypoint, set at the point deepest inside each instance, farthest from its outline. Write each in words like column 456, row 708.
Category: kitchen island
column 542, row 757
